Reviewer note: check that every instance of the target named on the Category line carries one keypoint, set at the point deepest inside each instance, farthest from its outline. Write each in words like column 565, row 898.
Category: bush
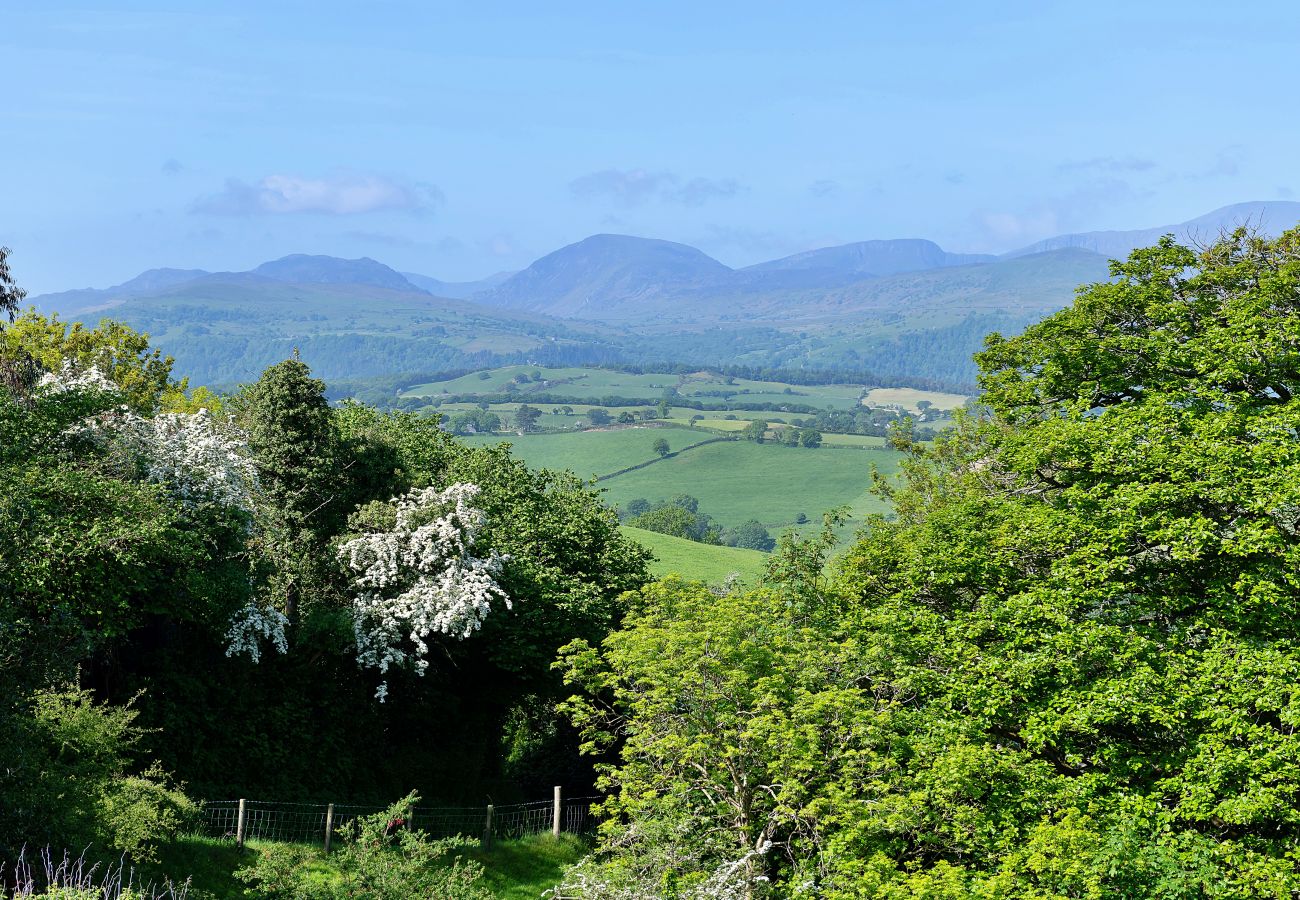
column 752, row 536
column 70, row 782
column 374, row 862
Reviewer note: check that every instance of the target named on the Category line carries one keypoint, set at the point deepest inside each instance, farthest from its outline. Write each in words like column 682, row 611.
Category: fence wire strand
column 304, row 823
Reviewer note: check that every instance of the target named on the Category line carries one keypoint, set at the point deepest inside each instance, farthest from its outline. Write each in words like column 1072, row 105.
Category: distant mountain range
column 899, row 308
column 1269, row 217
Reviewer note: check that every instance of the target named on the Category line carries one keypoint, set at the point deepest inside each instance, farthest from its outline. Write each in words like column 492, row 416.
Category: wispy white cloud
column 633, row 187
column 1108, row 164
column 338, row 194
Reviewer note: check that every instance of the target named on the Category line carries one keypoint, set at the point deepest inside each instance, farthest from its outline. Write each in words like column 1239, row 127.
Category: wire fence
column 309, row 823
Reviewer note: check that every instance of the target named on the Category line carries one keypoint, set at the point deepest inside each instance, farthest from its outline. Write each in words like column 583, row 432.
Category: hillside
column 602, row 275
column 906, row 312
column 867, row 259
column 702, row 562
column 1270, row 217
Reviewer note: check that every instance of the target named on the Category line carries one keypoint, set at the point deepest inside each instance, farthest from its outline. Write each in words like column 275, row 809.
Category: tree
column 626, row 418
column 598, row 416
column 526, row 417
column 661, row 447
column 419, row 576
column 291, row 433
column 755, row 431
column 716, row 707
column 11, row 295
column 810, row 438
column 120, row 353
column 1094, row 585
column 752, row 536
column 668, row 519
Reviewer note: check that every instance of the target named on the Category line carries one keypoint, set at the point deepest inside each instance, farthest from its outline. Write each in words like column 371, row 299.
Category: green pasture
column 593, row 384
column 591, row 453
column 701, row 562
column 570, row 381
column 909, row 397
column 863, row 441
column 734, row 480
column 739, row 480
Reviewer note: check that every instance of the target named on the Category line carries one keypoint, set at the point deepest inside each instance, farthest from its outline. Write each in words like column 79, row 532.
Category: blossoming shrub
column 420, row 578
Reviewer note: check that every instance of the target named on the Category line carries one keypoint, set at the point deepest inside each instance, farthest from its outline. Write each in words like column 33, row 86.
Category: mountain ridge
column 1269, row 216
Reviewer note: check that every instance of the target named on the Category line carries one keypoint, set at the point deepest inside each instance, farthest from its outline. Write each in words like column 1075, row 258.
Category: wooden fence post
column 329, row 826
column 555, row 813
column 240, row 825
column 487, row 830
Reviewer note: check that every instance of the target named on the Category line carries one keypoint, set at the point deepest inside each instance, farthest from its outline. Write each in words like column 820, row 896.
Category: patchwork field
column 594, row 384
column 907, row 398
column 735, row 481
column 704, row 562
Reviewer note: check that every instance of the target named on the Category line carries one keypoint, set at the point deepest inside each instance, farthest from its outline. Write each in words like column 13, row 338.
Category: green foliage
column 526, row 417
column 661, row 447
column 68, row 779
column 475, row 421
column 679, row 517
column 1065, row 668
column 121, row 354
column 750, row 535
column 297, row 453
column 375, row 862
column 11, row 295
column 717, row 705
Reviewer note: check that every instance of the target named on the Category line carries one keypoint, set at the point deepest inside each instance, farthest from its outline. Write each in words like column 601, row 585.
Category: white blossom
column 70, row 378
column 199, row 462
column 421, row 579
column 253, row 624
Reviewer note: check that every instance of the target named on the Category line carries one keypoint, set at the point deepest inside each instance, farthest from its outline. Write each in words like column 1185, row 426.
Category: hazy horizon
column 459, row 142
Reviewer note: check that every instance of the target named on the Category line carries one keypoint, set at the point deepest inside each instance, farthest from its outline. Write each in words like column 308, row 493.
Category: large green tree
column 1068, row 663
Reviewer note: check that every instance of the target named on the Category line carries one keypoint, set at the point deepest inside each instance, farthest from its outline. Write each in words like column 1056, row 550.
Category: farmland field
column 590, row 453
column 734, row 480
column 739, row 480
column 909, row 397
column 690, row 559
column 592, row 384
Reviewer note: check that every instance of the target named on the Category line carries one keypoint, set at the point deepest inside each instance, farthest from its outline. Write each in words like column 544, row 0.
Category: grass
column 593, row 384
column 739, row 480
column 852, row 440
column 590, row 453
column 734, row 480
column 571, row 382
column 522, row 869
column 909, row 397
column 514, row 870
column 701, row 562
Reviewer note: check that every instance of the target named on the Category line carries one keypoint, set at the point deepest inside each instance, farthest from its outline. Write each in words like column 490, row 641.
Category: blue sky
column 458, row 139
